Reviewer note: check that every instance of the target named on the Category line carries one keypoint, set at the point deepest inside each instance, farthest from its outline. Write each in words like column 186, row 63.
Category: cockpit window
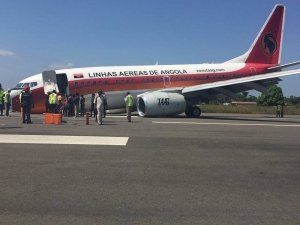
column 19, row 85
column 22, row 85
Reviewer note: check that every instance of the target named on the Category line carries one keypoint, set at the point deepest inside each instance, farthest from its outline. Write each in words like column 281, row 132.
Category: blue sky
column 38, row 35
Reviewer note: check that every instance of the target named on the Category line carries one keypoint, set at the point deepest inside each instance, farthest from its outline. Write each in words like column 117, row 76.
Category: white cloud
column 61, row 66
column 6, row 53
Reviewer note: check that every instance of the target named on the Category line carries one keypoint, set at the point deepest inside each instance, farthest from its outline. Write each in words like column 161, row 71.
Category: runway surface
column 219, row 169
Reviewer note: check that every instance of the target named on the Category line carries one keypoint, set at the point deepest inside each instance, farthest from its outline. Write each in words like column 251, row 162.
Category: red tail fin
column 266, row 48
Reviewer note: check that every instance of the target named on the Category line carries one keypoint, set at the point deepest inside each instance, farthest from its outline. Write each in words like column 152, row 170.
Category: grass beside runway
column 248, row 109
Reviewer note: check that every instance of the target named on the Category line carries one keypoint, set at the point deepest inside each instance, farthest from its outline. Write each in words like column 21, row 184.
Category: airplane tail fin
column 266, row 48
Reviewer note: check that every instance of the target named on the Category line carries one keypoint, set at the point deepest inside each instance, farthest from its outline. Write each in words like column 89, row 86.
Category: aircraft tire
column 196, row 112
column 193, row 112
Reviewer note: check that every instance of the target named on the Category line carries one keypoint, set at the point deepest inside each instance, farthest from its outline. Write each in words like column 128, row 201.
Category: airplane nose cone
column 14, row 93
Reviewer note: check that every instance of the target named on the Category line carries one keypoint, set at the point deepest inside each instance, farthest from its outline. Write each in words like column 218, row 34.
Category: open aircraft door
column 49, row 81
column 57, row 82
column 62, row 83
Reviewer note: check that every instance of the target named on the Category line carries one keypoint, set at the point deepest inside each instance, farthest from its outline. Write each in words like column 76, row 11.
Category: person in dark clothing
column 82, row 105
column 26, row 104
column 70, row 106
column 92, row 107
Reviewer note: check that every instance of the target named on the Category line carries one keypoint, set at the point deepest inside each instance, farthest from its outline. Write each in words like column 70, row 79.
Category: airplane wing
column 233, row 86
column 279, row 67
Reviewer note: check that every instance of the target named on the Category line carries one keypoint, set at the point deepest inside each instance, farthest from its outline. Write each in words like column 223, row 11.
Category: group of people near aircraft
column 71, row 105
column 74, row 105
column 68, row 105
column 99, row 105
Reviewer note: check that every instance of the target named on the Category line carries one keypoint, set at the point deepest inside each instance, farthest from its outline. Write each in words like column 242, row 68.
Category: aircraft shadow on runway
column 258, row 119
column 262, row 118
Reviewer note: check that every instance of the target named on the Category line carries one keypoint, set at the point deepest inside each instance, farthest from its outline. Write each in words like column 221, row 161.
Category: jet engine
column 160, row 103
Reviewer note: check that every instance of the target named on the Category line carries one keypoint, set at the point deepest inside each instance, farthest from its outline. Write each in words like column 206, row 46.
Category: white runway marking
column 120, row 116
column 62, row 140
column 232, row 124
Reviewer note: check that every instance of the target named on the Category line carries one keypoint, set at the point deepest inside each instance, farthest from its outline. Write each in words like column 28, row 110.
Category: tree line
column 272, row 97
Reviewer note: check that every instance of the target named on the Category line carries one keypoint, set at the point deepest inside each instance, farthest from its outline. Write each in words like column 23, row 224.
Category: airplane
column 165, row 90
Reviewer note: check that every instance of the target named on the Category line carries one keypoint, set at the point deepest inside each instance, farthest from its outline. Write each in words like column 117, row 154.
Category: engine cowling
column 160, row 103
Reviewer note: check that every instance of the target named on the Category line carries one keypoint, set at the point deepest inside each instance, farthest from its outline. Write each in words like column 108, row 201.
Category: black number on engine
column 163, row 101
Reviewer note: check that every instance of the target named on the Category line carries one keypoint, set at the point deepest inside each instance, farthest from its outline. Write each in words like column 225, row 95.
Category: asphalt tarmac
column 219, row 169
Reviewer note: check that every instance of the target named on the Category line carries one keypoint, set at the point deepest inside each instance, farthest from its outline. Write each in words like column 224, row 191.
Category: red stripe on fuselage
column 85, row 86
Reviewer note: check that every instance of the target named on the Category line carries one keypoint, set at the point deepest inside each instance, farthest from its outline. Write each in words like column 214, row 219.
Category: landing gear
column 193, row 112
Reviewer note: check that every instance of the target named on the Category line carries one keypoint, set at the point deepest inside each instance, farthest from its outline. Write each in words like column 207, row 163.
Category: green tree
column 272, row 97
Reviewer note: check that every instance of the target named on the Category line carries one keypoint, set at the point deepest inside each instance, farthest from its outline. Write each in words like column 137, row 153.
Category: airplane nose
column 14, row 93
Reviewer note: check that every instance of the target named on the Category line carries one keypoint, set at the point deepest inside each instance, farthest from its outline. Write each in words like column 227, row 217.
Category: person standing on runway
column 7, row 102
column 99, row 103
column 129, row 105
column 26, row 104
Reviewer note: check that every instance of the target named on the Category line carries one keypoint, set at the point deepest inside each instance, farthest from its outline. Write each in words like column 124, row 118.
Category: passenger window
column 33, row 84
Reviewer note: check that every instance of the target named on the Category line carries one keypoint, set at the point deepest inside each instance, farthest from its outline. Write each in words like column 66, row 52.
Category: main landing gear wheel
column 193, row 112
